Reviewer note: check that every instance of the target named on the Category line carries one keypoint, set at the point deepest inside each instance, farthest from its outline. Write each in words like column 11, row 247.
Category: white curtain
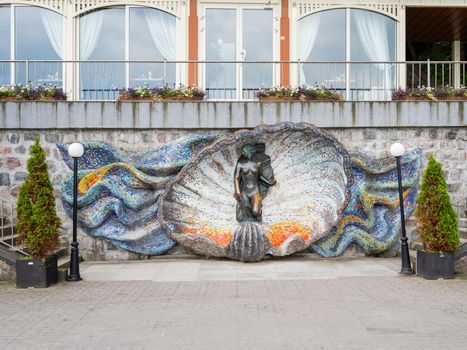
column 374, row 32
column 162, row 28
column 307, row 33
column 53, row 25
column 89, row 27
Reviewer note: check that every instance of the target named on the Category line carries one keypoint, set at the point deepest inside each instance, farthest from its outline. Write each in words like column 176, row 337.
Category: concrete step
column 463, row 232
column 462, row 251
column 462, row 227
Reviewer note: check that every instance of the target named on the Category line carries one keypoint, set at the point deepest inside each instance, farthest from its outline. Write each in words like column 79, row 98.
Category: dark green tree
column 436, row 218
column 38, row 223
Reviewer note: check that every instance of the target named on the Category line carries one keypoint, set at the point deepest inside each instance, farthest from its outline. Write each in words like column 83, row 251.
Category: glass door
column 237, row 41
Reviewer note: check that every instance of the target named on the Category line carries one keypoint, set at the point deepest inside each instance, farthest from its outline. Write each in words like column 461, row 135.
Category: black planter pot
column 36, row 273
column 435, row 265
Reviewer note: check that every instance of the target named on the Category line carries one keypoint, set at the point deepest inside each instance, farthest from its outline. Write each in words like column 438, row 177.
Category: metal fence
column 233, row 80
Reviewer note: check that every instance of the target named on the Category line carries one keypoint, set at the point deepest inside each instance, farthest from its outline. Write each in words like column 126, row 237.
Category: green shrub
column 38, row 223
column 437, row 220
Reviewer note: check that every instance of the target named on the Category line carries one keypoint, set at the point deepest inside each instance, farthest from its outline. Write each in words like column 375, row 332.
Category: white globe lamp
column 75, row 150
column 397, row 149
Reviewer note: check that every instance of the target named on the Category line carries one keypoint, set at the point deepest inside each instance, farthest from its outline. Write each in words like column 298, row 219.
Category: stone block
column 13, row 137
column 451, row 135
column 53, row 137
column 13, row 163
column 30, row 135
column 4, row 179
column 20, row 176
column 20, row 149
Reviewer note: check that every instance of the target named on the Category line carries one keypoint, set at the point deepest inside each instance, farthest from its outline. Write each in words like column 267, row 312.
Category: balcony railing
column 233, row 80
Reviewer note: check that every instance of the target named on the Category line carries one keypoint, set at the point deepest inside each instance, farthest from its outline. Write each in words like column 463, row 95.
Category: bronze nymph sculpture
column 253, row 177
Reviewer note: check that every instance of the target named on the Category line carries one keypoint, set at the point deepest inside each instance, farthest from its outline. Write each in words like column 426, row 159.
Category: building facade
column 229, row 48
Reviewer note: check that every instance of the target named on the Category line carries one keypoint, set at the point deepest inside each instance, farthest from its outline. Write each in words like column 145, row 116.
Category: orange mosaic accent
column 281, row 231
column 91, row 179
column 220, row 236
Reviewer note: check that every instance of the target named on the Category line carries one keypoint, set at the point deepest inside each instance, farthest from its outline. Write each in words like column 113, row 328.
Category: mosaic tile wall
column 448, row 145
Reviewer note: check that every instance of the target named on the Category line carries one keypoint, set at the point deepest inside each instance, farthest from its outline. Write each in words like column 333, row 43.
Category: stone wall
column 448, row 144
column 7, row 272
column 228, row 114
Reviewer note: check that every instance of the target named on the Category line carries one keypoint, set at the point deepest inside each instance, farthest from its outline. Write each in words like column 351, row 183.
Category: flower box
column 30, row 92
column 278, row 98
column 9, row 98
column 167, row 93
column 453, row 98
column 302, row 93
column 414, row 98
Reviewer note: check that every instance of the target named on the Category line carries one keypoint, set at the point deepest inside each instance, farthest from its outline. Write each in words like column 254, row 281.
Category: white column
column 295, row 68
column 456, row 56
column 347, row 54
column 401, row 54
column 69, row 47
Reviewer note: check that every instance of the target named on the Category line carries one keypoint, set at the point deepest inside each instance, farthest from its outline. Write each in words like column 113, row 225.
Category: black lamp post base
column 74, row 278
column 74, row 275
column 406, row 271
column 406, row 268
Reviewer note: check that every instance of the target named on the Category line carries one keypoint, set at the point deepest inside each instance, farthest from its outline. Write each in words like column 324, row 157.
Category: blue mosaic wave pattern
column 118, row 192
column 372, row 217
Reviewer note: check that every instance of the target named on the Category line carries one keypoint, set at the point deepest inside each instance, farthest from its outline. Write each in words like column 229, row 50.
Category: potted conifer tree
column 436, row 225
column 37, row 224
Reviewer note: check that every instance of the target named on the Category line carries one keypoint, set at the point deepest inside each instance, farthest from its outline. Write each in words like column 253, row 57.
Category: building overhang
column 436, row 23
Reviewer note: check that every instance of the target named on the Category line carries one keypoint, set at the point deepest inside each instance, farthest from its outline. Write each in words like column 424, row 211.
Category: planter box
column 452, row 98
column 415, row 98
column 277, row 98
column 36, row 273
column 435, row 265
column 159, row 99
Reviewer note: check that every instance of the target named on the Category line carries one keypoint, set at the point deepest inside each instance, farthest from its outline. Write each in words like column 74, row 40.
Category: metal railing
column 8, row 235
column 233, row 80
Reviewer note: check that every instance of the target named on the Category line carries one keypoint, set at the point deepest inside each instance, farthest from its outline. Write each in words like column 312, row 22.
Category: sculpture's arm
column 266, row 174
column 238, row 191
column 270, row 182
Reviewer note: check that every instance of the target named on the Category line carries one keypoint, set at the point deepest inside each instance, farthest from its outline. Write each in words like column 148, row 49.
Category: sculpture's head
column 248, row 150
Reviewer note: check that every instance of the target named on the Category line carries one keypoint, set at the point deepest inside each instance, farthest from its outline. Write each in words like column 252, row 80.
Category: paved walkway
column 207, row 304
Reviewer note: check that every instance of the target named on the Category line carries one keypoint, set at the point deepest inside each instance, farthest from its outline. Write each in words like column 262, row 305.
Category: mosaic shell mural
column 311, row 194
column 312, row 188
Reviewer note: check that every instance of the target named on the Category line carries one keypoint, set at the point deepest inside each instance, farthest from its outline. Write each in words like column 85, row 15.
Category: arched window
column 349, row 35
column 35, row 34
column 125, row 33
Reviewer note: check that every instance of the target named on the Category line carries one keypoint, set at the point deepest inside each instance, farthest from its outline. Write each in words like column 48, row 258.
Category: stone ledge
column 228, row 115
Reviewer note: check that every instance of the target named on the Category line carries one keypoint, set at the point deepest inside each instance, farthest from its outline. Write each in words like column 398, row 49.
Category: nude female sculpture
column 253, row 176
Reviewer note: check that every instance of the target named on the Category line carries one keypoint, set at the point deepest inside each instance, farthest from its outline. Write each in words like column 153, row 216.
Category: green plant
column 161, row 93
column 38, row 223
column 303, row 93
column 278, row 92
column 436, row 218
column 31, row 92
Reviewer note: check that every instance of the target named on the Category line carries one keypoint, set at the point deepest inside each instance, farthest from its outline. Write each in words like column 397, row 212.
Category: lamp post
column 397, row 150
column 75, row 150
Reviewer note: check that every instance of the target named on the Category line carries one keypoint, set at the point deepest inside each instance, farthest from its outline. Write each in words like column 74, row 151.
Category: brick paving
column 354, row 304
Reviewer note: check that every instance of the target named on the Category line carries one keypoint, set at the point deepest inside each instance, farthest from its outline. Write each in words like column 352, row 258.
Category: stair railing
column 8, row 235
